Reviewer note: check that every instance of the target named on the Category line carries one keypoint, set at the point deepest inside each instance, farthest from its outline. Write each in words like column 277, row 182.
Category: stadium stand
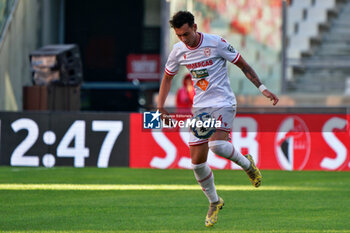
column 318, row 50
column 304, row 21
column 253, row 27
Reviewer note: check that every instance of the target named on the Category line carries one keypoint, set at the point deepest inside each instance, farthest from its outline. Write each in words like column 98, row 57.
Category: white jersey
column 207, row 65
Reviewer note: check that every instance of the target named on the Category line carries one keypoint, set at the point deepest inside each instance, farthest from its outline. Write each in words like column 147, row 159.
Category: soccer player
column 205, row 57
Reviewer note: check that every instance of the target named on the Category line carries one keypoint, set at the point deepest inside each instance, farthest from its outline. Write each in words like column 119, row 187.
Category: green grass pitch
column 146, row 200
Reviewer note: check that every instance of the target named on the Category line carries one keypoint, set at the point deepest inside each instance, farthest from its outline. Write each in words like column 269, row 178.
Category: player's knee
column 220, row 147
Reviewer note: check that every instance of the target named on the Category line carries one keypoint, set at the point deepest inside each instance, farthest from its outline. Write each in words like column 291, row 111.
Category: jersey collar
column 199, row 44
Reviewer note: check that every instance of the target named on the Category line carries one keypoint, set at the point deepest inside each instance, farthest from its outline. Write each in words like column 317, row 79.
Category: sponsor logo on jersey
column 203, row 84
column 230, row 48
column 199, row 74
column 207, row 52
column 292, row 144
column 223, row 40
column 199, row 64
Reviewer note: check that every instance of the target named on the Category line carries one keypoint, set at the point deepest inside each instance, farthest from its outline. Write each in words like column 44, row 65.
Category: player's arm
column 163, row 94
column 253, row 77
column 164, row 89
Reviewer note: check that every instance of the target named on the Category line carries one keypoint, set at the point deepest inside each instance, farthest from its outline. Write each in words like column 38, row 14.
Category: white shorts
column 225, row 114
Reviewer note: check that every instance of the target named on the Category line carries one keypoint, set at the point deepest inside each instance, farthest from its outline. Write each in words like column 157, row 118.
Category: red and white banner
column 276, row 141
column 143, row 67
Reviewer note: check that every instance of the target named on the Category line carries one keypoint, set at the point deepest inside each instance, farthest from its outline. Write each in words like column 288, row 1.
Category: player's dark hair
column 181, row 18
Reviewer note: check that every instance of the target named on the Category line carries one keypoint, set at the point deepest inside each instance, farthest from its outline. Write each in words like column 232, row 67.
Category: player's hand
column 271, row 96
column 165, row 116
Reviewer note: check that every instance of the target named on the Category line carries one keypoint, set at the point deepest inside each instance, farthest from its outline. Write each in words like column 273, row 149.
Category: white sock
column 227, row 150
column 205, row 178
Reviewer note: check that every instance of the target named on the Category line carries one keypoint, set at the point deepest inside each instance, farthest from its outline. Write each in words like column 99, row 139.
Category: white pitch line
column 96, row 187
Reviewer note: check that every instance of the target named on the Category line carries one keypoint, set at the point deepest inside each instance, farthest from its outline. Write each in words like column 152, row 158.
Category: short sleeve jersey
column 207, row 64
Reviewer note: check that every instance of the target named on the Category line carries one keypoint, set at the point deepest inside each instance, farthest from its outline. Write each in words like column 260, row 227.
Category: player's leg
column 219, row 144
column 202, row 171
column 205, row 178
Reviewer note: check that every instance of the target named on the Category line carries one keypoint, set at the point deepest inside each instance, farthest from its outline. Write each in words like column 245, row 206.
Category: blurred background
column 109, row 55
column 78, row 79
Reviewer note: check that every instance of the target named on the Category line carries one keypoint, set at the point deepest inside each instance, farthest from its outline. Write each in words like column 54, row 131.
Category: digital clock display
column 64, row 139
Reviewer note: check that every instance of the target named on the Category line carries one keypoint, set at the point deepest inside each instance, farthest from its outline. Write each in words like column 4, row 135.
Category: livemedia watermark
column 153, row 120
